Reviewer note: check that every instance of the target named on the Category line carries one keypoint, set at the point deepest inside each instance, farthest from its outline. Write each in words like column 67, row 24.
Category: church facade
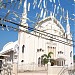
column 49, row 37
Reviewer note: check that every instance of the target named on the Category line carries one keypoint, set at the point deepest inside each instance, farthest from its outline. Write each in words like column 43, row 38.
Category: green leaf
column 49, row 54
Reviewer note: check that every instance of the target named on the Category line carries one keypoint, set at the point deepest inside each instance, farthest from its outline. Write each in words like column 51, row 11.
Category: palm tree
column 45, row 58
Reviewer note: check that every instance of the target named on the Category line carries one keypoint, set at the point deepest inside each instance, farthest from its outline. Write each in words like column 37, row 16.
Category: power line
column 30, row 28
column 41, row 34
column 50, row 38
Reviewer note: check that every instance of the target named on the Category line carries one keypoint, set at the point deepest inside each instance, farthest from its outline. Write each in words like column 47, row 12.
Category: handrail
column 62, row 70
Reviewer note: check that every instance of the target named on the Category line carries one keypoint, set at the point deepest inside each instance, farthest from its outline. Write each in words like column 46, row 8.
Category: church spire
column 67, row 19
column 22, row 36
column 24, row 15
column 68, row 26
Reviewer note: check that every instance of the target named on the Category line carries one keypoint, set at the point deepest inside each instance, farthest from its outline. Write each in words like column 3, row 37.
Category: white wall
column 32, row 43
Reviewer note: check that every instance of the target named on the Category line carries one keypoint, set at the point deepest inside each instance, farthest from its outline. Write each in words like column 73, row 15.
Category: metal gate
column 6, row 69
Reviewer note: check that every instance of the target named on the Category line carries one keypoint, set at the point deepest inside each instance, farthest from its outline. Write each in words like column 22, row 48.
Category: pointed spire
column 24, row 15
column 68, row 27
column 67, row 18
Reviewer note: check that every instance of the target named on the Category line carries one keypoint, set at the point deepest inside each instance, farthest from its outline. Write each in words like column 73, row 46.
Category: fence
column 30, row 67
column 6, row 69
column 14, row 69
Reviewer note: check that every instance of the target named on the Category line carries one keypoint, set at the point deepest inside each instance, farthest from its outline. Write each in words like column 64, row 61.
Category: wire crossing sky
column 36, row 10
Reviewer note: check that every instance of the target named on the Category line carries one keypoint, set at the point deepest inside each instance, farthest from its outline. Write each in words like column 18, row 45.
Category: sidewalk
column 33, row 73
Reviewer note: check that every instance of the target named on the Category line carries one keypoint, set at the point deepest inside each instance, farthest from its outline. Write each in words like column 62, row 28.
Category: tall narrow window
column 39, row 59
column 23, row 48
column 71, row 54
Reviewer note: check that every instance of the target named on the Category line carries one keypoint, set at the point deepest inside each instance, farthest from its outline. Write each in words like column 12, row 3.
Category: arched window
column 42, row 62
column 23, row 48
column 71, row 54
column 39, row 61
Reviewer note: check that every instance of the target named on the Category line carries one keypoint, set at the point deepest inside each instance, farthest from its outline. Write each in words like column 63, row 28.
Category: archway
column 60, row 61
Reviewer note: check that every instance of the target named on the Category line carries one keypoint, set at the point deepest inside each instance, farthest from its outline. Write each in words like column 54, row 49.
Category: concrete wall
column 57, row 70
column 33, row 73
column 24, row 68
column 48, row 70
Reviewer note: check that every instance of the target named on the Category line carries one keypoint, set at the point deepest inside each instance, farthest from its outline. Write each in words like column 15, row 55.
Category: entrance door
column 60, row 62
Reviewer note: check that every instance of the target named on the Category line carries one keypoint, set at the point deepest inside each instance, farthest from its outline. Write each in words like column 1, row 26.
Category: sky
column 15, row 10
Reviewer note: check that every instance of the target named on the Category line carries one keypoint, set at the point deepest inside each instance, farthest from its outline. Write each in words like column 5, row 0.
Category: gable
column 50, row 25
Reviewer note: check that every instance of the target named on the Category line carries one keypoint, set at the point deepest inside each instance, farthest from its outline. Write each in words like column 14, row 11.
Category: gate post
column 15, row 69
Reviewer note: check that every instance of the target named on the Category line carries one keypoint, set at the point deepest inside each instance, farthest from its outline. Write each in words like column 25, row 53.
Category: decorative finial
column 67, row 18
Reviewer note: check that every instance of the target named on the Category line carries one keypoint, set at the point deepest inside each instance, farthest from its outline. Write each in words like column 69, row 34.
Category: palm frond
column 49, row 54
column 44, row 56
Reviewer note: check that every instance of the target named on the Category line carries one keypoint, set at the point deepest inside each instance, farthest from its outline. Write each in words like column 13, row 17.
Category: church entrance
column 60, row 62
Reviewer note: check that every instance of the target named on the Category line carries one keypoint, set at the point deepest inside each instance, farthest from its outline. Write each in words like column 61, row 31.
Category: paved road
column 33, row 73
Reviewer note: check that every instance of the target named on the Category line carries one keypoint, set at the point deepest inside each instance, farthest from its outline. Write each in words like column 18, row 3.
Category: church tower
column 69, row 48
column 22, row 36
column 68, row 28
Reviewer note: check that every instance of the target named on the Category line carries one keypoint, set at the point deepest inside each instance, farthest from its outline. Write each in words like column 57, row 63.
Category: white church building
column 48, row 36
